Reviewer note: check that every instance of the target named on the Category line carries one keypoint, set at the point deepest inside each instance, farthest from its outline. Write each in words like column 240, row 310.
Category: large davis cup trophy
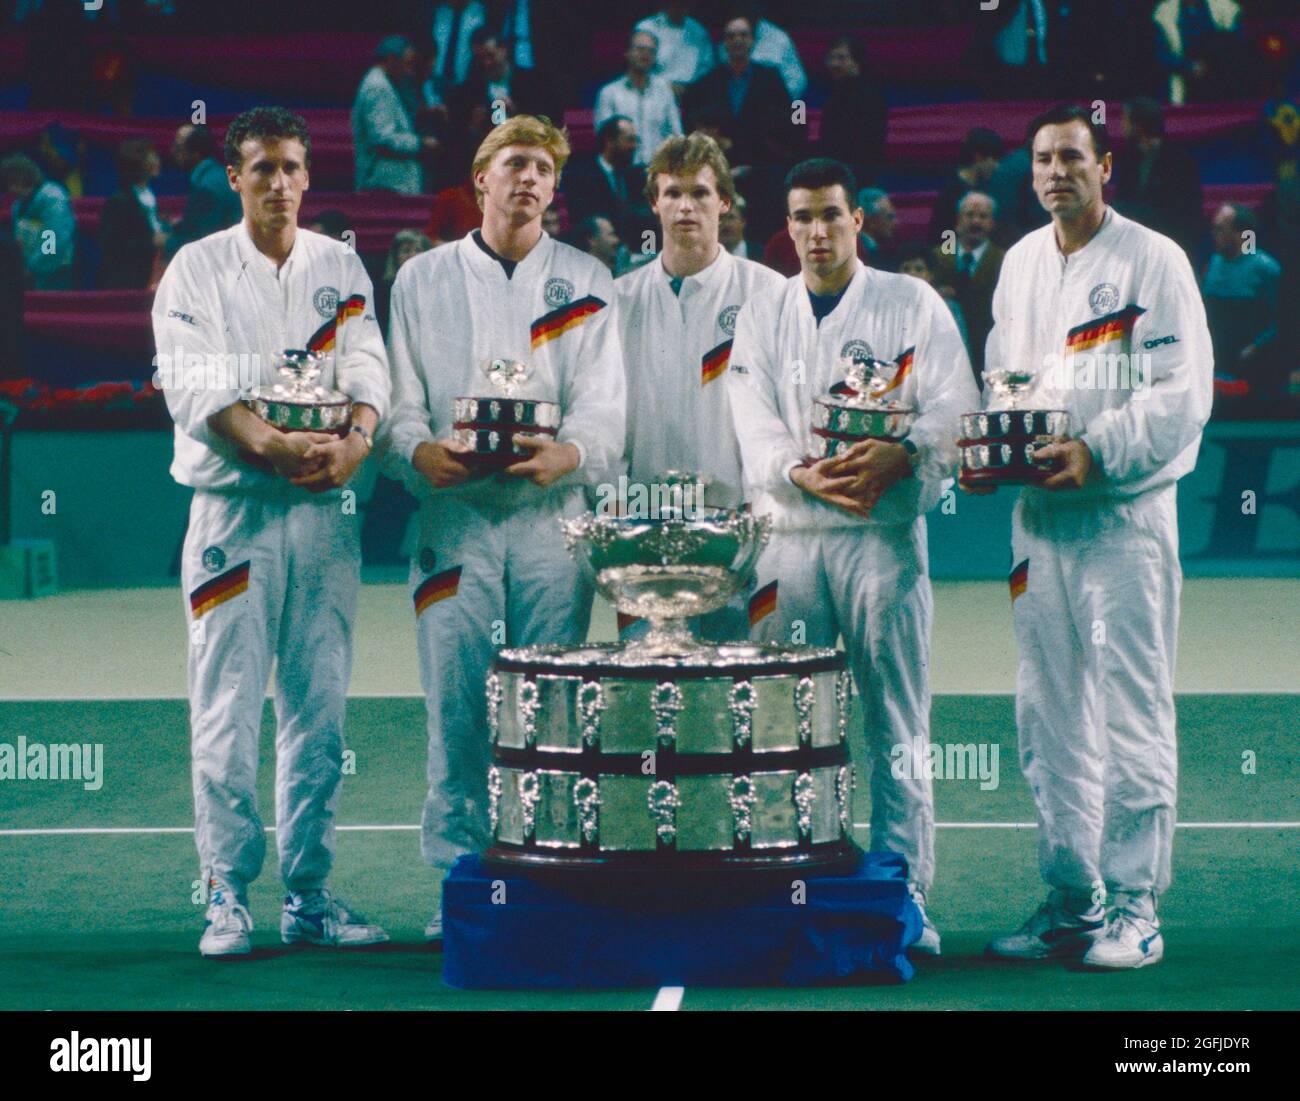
column 488, row 425
column 668, row 755
column 298, row 403
column 856, row 408
column 998, row 445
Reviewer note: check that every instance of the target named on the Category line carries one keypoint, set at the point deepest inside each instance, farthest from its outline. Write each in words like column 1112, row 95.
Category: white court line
column 668, row 1000
column 98, row 830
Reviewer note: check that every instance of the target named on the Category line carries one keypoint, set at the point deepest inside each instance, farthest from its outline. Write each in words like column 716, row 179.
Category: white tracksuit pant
column 296, row 605
column 1096, row 627
column 491, row 579
column 871, row 584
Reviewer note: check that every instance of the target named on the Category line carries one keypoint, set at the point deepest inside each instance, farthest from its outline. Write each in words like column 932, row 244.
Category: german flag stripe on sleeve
column 438, row 586
column 1104, row 329
column 1019, row 579
column 558, row 322
column 224, row 587
column 762, row 603
column 904, row 362
column 322, row 340
column 715, row 362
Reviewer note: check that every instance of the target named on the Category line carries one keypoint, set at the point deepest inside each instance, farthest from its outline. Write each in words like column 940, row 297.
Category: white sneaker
column 1129, row 941
column 928, row 942
column 227, row 924
column 1052, row 931
column 318, row 917
column 433, row 931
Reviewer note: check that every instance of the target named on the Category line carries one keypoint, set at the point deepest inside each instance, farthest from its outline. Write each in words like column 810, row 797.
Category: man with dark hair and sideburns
column 848, row 548
column 271, row 563
column 1106, row 313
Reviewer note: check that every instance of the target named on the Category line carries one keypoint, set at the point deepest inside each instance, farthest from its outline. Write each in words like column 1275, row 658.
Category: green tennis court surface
column 102, row 920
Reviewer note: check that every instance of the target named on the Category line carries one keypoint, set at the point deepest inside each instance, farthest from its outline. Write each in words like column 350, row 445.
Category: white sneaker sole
column 321, row 942
column 1145, row 961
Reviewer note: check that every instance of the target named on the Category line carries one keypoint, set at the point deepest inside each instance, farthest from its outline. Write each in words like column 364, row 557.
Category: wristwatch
column 364, row 435
column 911, row 449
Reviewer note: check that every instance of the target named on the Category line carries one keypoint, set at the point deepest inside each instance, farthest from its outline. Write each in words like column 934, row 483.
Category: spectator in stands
column 747, row 101
column 914, row 260
column 643, row 97
column 61, row 153
column 854, row 116
column 1011, row 187
column 596, row 237
column 749, row 95
column 772, row 46
column 389, row 153
column 131, row 234
column 11, row 306
column 1024, row 46
column 211, row 203
column 493, row 85
column 970, row 272
column 980, row 151
column 452, row 25
column 406, row 243
column 1198, row 43
column 455, row 213
column 1240, row 293
column 608, row 184
column 879, row 221
column 1160, row 186
column 336, row 224
column 43, row 224
column 685, row 48
column 731, row 228
column 1110, row 54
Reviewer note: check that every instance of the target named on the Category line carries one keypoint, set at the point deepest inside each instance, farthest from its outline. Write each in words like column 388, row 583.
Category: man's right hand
column 285, row 451
column 814, row 481
column 439, row 465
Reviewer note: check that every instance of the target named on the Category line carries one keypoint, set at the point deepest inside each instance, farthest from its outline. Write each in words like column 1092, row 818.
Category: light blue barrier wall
column 117, row 518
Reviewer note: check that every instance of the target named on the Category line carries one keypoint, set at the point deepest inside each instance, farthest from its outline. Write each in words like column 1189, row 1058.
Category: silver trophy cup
column 998, row 445
column 861, row 411
column 297, row 403
column 488, row 425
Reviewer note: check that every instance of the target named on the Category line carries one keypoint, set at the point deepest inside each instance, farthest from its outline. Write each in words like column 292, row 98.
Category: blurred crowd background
column 111, row 123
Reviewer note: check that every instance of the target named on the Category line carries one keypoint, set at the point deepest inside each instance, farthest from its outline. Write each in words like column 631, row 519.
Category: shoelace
column 228, row 909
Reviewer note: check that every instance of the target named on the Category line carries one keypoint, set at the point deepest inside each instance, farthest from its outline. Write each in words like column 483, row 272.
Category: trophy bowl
column 297, row 403
column 856, row 409
column 998, row 445
column 488, row 425
column 684, row 563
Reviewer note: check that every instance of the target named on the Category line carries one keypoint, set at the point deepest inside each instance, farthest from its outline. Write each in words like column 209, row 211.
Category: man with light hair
column 643, row 97
column 490, row 568
column 677, row 317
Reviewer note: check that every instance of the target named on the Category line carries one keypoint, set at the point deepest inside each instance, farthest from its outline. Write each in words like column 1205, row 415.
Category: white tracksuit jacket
column 1118, row 335
column 269, row 570
column 826, row 572
column 491, row 568
column 677, row 349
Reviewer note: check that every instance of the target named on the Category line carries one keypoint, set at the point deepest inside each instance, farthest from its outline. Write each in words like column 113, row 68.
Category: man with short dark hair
column 271, row 563
column 211, row 204
column 643, row 97
column 607, row 184
column 1106, row 314
column 848, row 548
